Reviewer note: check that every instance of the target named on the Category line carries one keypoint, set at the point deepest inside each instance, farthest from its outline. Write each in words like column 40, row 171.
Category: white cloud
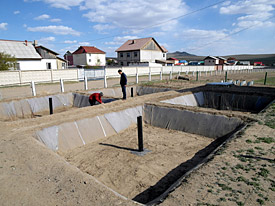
column 70, row 41
column 16, row 12
column 3, row 26
column 42, row 17
column 101, row 27
column 84, row 43
column 203, row 35
column 63, row 4
column 128, row 14
column 120, row 40
column 55, row 20
column 253, row 12
column 59, row 30
column 46, row 39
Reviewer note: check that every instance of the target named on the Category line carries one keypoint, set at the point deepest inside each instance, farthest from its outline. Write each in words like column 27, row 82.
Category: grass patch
column 267, row 140
column 263, row 172
column 269, row 81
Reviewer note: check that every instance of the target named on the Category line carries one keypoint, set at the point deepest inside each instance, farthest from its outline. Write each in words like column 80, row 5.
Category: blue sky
column 228, row 27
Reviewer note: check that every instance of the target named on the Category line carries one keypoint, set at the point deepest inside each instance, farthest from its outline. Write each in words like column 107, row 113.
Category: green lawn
column 269, row 81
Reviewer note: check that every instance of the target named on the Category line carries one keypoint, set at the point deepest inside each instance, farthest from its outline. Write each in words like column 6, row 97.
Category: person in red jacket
column 95, row 98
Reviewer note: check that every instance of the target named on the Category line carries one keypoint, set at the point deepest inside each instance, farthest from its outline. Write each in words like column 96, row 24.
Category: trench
column 97, row 133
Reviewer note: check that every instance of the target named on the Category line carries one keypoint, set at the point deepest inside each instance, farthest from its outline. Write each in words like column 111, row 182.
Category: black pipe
column 51, row 105
column 140, row 134
column 132, row 92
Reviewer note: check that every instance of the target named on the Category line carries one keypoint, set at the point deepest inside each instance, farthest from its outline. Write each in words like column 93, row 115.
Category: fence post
column 160, row 75
column 61, row 85
column 105, row 81
column 197, row 76
column 149, row 78
column 171, row 75
column 140, row 134
column 265, row 77
column 33, row 88
column 20, row 77
column 137, row 78
column 85, row 83
column 51, row 75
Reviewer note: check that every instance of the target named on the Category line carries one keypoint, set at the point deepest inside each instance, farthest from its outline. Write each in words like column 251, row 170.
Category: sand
column 110, row 161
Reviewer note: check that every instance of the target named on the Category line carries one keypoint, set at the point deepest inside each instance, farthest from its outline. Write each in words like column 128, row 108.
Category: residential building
column 29, row 55
column 141, row 51
column 61, row 63
column 89, row 56
column 174, row 60
column 24, row 52
column 49, row 57
column 211, row 60
column 69, row 57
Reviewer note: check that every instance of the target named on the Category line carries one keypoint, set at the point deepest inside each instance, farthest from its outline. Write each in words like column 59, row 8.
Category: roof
column 211, row 57
column 164, row 49
column 61, row 59
column 171, row 58
column 136, row 44
column 222, row 58
column 42, row 47
column 89, row 50
column 19, row 49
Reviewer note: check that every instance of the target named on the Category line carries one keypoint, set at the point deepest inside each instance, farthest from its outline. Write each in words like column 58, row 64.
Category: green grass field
column 270, row 81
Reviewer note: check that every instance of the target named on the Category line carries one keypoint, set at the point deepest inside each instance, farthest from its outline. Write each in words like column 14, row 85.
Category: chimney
column 133, row 41
column 35, row 43
column 26, row 42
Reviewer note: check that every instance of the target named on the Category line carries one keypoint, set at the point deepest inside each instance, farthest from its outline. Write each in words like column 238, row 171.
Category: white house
column 30, row 56
column 140, row 51
column 24, row 52
column 89, row 56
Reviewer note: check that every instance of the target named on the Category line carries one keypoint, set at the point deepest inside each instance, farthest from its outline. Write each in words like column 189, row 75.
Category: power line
column 161, row 23
column 237, row 32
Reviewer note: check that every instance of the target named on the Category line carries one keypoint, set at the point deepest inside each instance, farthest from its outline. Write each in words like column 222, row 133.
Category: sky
column 200, row 27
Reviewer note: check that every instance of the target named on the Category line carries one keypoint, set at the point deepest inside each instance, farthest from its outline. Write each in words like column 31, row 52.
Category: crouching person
column 95, row 98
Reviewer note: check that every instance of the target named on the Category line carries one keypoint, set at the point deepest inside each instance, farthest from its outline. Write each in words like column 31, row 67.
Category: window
column 128, row 54
column 98, row 60
column 90, row 60
column 121, row 63
column 49, row 65
column 121, row 54
column 163, row 55
column 63, row 65
column 135, row 54
column 17, row 66
column 90, row 54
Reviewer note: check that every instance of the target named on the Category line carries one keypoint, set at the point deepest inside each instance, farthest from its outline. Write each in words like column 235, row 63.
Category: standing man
column 123, row 82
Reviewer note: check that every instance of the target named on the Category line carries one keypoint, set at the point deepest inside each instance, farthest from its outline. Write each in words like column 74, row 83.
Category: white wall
column 151, row 56
column 30, row 64
column 52, row 61
column 92, row 59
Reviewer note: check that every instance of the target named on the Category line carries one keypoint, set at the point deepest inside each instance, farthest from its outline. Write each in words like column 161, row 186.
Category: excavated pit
column 180, row 140
column 235, row 98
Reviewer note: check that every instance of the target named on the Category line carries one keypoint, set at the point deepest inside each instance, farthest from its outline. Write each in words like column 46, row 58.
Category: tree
column 7, row 61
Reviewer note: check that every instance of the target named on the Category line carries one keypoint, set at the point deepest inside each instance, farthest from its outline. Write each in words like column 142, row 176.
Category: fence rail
column 24, row 77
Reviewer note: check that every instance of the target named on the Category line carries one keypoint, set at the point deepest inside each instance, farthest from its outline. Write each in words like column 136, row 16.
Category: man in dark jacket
column 123, row 83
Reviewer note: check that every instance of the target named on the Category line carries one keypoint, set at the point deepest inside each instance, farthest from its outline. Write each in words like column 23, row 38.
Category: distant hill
column 178, row 53
column 267, row 59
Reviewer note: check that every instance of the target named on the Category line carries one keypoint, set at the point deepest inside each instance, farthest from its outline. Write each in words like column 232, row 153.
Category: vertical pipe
column 51, row 105
column 132, row 92
column 265, row 77
column 33, row 88
column 140, row 134
column 61, row 85
column 225, row 78
column 197, row 78
column 85, row 83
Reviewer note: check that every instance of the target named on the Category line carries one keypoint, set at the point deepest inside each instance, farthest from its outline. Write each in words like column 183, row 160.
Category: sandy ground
column 45, row 89
column 110, row 160
column 31, row 174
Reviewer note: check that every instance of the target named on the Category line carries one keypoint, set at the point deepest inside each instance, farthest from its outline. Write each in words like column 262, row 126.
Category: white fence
column 24, row 77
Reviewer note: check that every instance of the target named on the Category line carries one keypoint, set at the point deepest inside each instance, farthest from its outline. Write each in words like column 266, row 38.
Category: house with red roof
column 141, row 51
column 89, row 56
